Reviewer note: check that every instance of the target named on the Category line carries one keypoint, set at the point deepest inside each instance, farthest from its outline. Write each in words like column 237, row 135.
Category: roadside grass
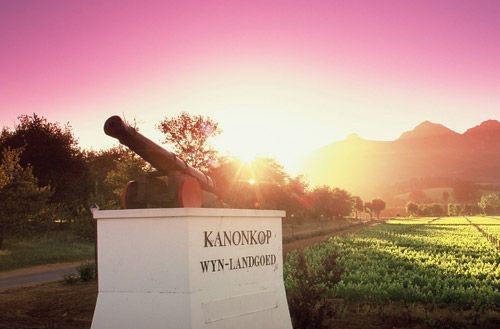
column 55, row 247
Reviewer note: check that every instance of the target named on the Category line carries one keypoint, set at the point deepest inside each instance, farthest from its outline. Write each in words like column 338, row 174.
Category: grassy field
column 54, row 248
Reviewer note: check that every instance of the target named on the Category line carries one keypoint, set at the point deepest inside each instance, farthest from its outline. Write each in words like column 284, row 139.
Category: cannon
column 175, row 184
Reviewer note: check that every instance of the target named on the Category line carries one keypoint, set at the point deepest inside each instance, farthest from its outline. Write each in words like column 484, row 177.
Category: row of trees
column 462, row 192
column 489, row 204
column 48, row 181
column 457, row 209
column 434, row 209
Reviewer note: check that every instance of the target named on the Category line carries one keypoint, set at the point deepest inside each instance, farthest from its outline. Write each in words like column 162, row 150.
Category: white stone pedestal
column 190, row 268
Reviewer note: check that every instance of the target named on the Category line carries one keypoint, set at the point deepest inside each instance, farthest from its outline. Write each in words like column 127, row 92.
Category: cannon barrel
column 161, row 159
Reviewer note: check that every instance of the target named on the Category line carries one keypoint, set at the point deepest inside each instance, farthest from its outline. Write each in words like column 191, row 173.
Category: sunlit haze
column 282, row 78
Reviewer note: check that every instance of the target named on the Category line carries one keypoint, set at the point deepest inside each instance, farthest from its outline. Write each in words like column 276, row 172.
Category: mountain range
column 430, row 152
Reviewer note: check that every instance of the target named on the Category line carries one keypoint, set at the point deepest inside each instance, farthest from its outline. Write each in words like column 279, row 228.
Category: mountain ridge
column 428, row 129
column 366, row 167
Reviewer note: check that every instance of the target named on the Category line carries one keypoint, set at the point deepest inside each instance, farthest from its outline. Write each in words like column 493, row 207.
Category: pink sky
column 398, row 62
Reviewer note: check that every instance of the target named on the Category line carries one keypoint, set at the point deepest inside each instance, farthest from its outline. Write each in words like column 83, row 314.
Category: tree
column 326, row 202
column 321, row 198
column 341, row 203
column 357, row 205
column 471, row 209
column 377, row 206
column 227, row 178
column 260, row 184
column 412, row 208
column 369, row 209
column 446, row 198
column 110, row 170
column 100, row 163
column 128, row 166
column 297, row 201
column 266, row 170
column 437, row 209
column 54, row 156
column 22, row 199
column 490, row 203
column 454, row 209
column 433, row 209
column 189, row 135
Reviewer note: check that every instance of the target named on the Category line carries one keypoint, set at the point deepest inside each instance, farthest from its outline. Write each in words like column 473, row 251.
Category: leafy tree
column 128, row 166
column 101, row 164
column 446, row 198
column 369, row 209
column 321, row 198
column 377, row 206
column 22, row 199
column 233, row 183
column 270, row 181
column 490, row 203
column 471, row 209
column 454, row 209
column 434, row 209
column 463, row 209
column 328, row 203
column 53, row 154
column 437, row 209
column 357, row 205
column 297, row 199
column 412, row 208
column 189, row 135
column 341, row 203
column 260, row 184
column 266, row 170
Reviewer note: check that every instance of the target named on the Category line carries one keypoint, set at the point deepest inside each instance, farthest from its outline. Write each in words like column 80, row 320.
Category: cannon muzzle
column 115, row 127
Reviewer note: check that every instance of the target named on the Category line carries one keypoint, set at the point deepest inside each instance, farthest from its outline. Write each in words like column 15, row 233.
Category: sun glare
column 246, row 158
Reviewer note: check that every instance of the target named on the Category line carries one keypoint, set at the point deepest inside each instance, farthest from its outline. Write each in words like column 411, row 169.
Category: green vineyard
column 423, row 261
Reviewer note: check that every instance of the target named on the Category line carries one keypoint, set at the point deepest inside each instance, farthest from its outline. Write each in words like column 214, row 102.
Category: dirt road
column 304, row 243
column 36, row 274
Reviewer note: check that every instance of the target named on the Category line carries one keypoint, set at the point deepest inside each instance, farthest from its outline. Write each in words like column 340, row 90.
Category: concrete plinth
column 190, row 268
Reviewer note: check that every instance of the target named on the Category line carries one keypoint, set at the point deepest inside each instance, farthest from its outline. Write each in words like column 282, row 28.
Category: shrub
column 84, row 226
column 308, row 281
column 87, row 272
